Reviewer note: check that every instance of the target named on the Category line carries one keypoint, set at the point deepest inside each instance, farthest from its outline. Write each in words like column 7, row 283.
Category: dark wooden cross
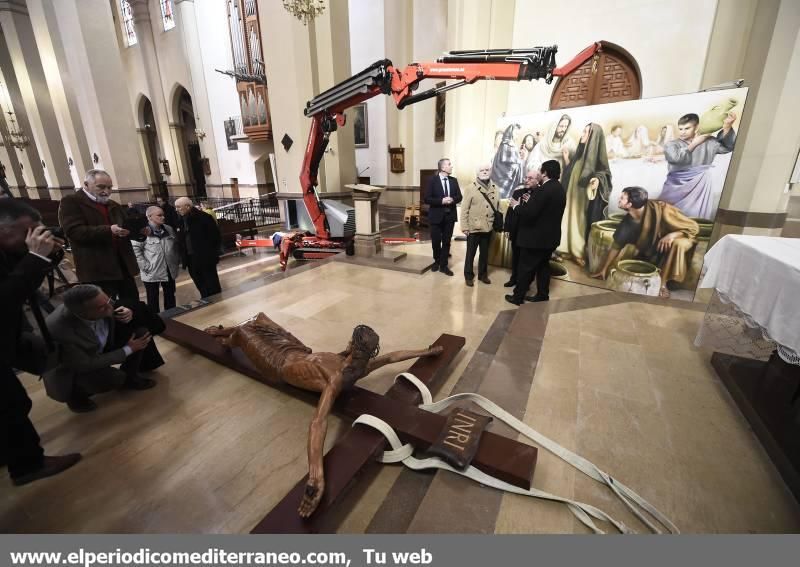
column 504, row 458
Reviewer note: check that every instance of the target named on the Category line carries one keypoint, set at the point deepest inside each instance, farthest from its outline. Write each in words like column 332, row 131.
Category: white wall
column 366, row 47
column 669, row 40
column 430, row 41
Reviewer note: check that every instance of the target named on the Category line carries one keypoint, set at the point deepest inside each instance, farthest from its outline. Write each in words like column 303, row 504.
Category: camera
column 56, row 231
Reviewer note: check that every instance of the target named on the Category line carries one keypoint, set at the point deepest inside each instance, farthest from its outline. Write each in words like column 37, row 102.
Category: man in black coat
column 24, row 248
column 511, row 222
column 442, row 193
column 539, row 234
column 200, row 242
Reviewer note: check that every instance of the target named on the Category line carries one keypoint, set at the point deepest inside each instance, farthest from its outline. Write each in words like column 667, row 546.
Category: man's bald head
column 183, row 205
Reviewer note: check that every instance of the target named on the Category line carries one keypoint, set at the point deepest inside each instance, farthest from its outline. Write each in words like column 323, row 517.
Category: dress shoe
column 510, row 283
column 486, row 280
column 435, row 268
column 50, row 466
column 511, row 299
column 470, row 283
column 139, row 383
column 446, row 271
column 537, row 298
column 81, row 405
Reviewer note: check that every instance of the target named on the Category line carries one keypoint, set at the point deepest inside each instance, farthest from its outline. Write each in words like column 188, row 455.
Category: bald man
column 200, row 241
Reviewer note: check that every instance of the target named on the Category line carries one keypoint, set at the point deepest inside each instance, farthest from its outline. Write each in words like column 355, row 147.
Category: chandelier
column 16, row 136
column 304, row 10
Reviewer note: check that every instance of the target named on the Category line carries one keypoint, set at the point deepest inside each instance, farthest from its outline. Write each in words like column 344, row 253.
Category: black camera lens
column 56, row 231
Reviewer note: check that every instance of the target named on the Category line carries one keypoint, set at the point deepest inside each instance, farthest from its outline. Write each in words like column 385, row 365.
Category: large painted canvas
column 676, row 149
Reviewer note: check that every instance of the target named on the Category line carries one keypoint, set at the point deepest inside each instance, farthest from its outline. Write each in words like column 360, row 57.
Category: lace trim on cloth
column 729, row 330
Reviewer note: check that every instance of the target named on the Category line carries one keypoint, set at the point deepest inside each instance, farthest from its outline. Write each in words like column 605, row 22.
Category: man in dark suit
column 101, row 246
column 200, row 240
column 511, row 222
column 24, row 249
column 539, row 234
column 442, row 193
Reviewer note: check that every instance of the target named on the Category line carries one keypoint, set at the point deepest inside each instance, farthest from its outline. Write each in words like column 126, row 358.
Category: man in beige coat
column 477, row 214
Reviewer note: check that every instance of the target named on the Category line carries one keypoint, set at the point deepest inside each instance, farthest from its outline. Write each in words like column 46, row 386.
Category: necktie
column 446, row 187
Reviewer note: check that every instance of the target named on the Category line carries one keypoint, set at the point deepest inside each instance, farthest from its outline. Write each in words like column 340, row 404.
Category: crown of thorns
column 361, row 340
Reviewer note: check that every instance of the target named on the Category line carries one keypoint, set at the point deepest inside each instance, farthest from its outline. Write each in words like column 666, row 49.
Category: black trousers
column 205, row 278
column 441, row 233
column 514, row 262
column 477, row 241
column 152, row 294
column 533, row 262
column 19, row 443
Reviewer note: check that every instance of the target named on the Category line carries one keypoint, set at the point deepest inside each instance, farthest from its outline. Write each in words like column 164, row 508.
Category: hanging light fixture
column 16, row 135
column 304, row 10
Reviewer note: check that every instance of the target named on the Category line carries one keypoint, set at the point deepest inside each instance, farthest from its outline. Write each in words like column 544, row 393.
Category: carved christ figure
column 279, row 355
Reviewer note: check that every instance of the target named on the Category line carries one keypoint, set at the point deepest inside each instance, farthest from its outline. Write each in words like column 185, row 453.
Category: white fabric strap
column 633, row 501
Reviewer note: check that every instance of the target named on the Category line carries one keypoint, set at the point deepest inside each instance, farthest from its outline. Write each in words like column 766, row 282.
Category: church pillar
column 330, row 38
column 399, row 37
column 165, row 148
column 62, row 89
column 287, row 58
column 187, row 26
column 756, row 193
column 92, row 52
column 8, row 158
column 19, row 49
column 472, row 111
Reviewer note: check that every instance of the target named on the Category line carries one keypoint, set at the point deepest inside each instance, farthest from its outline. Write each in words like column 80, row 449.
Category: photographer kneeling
column 92, row 336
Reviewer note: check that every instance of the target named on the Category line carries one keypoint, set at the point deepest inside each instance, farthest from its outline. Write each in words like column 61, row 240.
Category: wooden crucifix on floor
column 498, row 456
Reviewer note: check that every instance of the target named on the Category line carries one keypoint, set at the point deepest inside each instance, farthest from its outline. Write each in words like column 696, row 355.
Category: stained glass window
column 167, row 15
column 127, row 22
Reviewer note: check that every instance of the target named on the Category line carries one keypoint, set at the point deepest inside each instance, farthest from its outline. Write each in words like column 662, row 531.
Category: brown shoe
column 50, row 466
column 469, row 283
column 486, row 280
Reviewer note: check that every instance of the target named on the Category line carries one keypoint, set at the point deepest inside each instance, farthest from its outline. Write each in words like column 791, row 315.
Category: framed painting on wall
column 360, row 128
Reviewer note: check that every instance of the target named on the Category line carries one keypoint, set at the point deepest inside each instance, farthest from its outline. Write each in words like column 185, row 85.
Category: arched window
column 167, row 15
column 127, row 23
column 610, row 75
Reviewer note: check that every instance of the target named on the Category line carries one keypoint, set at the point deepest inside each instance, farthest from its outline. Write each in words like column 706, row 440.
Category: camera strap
column 36, row 309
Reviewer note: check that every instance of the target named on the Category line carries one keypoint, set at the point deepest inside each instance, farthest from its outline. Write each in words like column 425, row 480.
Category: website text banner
column 394, row 550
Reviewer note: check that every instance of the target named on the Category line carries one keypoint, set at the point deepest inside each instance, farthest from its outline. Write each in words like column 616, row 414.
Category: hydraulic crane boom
column 327, row 109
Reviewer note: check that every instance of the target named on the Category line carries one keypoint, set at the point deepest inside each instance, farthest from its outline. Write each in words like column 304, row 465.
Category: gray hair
column 482, row 166
column 76, row 297
column 152, row 210
column 183, row 201
column 92, row 173
column 441, row 162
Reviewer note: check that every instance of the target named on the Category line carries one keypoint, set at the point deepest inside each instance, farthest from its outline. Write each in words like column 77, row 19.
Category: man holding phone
column 101, row 244
column 92, row 336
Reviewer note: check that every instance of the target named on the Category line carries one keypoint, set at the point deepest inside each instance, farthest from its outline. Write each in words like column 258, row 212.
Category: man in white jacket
column 159, row 260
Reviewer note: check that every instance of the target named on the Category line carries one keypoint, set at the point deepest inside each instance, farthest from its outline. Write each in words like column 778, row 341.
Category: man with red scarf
column 101, row 247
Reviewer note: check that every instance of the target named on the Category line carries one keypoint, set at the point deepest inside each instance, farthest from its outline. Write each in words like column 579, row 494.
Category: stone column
column 158, row 99
column 398, row 34
column 87, row 29
column 21, row 51
column 187, row 26
column 31, row 174
column 330, row 37
column 62, row 89
column 758, row 41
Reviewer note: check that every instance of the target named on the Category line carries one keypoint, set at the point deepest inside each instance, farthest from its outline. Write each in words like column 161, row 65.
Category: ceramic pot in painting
column 601, row 237
column 635, row 276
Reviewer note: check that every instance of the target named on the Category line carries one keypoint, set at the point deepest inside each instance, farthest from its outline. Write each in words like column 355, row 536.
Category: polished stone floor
column 606, row 375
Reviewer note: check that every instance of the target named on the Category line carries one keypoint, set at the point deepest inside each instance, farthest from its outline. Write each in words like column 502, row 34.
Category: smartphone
column 140, row 332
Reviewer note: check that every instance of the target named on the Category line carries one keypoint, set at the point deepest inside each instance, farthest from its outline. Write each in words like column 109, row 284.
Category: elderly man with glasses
column 93, row 336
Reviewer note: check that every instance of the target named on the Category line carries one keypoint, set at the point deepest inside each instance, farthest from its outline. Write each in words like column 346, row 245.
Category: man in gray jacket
column 159, row 259
column 92, row 336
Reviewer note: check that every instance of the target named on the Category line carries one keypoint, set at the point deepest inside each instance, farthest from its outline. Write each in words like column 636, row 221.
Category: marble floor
column 609, row 376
